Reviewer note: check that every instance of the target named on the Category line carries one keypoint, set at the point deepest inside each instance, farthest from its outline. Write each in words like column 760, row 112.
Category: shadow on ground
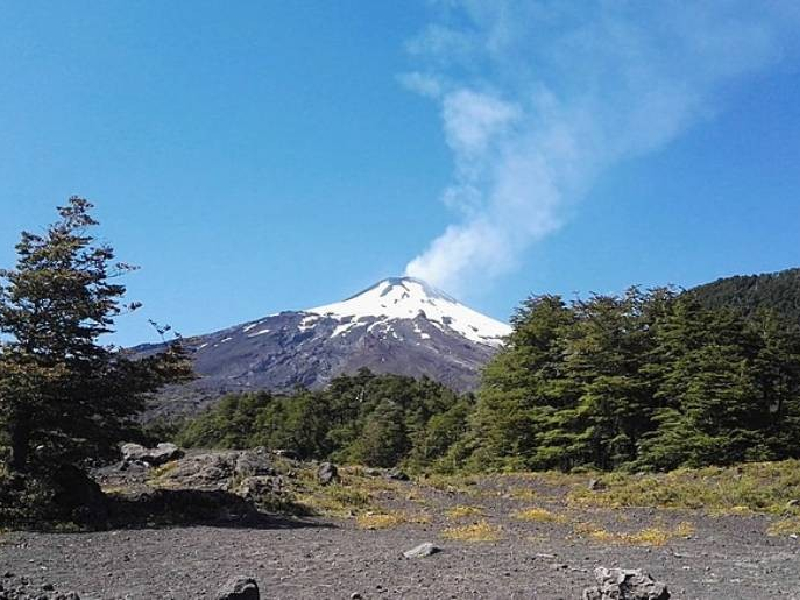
column 218, row 508
column 155, row 509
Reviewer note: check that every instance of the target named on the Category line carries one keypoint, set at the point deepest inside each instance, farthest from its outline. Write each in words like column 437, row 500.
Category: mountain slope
column 776, row 291
column 400, row 325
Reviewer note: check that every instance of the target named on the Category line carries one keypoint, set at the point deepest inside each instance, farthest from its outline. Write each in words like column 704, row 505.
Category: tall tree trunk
column 20, row 433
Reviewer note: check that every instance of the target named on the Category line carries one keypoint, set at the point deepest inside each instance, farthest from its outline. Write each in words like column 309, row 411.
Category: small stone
column 239, row 588
column 327, row 473
column 421, row 551
column 397, row 475
column 48, row 587
column 356, row 596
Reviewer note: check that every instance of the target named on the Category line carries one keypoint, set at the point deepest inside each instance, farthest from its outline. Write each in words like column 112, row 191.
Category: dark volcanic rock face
column 399, row 326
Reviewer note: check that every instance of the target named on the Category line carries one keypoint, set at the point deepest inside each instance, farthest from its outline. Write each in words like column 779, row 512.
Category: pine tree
column 383, row 441
column 711, row 411
column 516, row 398
column 64, row 397
column 606, row 356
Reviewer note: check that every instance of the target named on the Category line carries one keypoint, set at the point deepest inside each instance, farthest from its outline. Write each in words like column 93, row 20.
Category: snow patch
column 307, row 323
column 400, row 298
column 257, row 333
column 252, row 326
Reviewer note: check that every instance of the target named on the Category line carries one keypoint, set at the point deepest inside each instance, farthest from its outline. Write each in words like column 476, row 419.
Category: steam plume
column 537, row 98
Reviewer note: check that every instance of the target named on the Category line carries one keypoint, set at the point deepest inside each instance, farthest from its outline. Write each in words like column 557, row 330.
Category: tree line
column 646, row 380
column 376, row 420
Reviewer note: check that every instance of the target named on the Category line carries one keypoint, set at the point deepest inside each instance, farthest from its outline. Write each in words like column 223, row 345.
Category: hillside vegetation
column 376, row 420
column 649, row 380
column 779, row 292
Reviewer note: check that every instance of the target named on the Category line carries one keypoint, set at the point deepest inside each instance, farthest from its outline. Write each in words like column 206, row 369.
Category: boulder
column 205, row 471
column 249, row 464
column 595, row 484
column 239, row 588
column 154, row 457
column 327, row 473
column 421, row 551
column 259, row 488
column 397, row 475
column 625, row 584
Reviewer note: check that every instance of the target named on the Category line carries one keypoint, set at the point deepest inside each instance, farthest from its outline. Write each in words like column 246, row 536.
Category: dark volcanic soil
column 727, row 557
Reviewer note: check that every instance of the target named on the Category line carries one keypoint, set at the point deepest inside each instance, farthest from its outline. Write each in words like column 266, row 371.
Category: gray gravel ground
column 727, row 558
column 705, row 557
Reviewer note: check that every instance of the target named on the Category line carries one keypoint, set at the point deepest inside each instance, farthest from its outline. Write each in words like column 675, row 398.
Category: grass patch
column 336, row 501
column 453, row 484
column 738, row 511
column 462, row 511
column 159, row 476
column 759, row 487
column 650, row 536
column 381, row 521
column 557, row 479
column 476, row 532
column 788, row 526
column 389, row 520
column 164, row 469
column 539, row 515
column 523, row 494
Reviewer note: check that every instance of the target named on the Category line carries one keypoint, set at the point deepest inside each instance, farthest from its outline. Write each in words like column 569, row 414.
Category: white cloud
column 422, row 84
column 472, row 119
column 537, row 98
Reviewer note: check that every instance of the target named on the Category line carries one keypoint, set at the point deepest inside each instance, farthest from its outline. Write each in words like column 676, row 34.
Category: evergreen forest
column 649, row 380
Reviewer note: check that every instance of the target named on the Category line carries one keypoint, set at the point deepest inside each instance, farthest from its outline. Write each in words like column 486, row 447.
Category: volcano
column 400, row 325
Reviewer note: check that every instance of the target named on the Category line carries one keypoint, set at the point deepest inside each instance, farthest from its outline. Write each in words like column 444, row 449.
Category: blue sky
column 274, row 156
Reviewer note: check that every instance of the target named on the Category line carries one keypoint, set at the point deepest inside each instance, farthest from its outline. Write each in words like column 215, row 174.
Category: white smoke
column 537, row 98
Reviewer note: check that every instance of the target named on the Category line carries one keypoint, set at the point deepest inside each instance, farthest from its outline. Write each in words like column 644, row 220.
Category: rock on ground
column 421, row 551
column 162, row 453
column 327, row 473
column 239, row 588
column 625, row 584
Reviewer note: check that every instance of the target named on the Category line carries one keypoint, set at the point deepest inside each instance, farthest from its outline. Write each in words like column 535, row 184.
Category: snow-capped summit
column 399, row 325
column 410, row 298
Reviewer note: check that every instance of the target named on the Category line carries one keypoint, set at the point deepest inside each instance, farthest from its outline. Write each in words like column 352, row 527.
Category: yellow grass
column 387, row 520
column 164, row 469
column 788, row 526
column 382, row 521
column 539, row 515
column 759, row 487
column 336, row 500
column 477, row 532
column 525, row 494
column 461, row 511
column 650, row 536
